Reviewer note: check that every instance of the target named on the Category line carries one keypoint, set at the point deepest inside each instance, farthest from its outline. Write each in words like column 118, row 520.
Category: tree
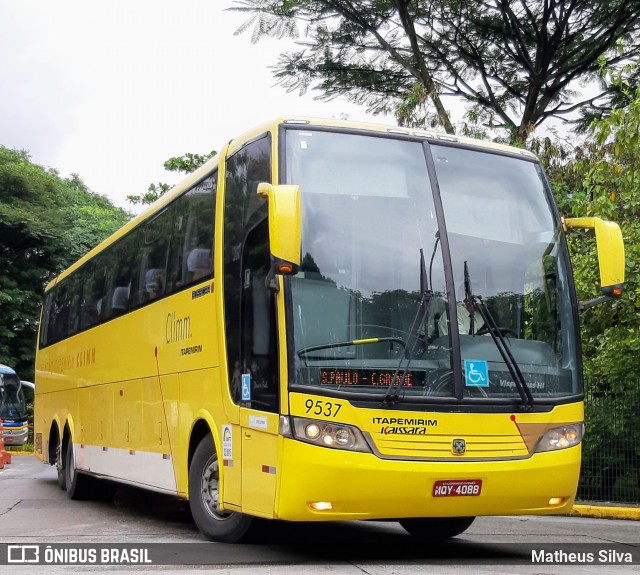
column 186, row 164
column 515, row 63
column 605, row 179
column 46, row 223
column 619, row 88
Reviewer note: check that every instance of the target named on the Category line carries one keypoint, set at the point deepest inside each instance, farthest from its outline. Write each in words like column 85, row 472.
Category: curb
column 606, row 512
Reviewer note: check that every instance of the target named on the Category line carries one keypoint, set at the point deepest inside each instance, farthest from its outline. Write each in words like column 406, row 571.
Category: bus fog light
column 561, row 438
column 321, row 505
column 556, row 501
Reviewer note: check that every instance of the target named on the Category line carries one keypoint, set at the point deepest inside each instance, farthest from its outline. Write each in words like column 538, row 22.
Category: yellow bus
column 328, row 321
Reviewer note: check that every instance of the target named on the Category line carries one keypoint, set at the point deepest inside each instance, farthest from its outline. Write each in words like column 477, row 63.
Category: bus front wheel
column 204, row 498
column 437, row 527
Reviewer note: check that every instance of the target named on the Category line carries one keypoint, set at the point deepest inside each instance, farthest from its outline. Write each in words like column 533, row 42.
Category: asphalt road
column 35, row 512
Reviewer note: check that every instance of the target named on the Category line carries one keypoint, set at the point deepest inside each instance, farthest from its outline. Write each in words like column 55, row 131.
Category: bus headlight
column 328, row 434
column 561, row 438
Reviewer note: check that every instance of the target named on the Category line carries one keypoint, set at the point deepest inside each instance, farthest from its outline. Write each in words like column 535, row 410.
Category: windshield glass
column 368, row 210
column 500, row 221
column 12, row 404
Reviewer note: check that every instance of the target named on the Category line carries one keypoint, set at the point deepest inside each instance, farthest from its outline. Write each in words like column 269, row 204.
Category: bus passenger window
column 154, row 283
column 198, row 264
column 119, row 301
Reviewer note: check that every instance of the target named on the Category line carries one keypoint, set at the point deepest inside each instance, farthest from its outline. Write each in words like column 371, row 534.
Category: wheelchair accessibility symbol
column 476, row 372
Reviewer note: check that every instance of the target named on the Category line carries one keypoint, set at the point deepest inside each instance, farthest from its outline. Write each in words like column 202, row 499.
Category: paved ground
column 35, row 512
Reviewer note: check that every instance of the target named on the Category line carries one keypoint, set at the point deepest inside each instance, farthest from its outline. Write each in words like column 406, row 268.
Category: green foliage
column 601, row 177
column 154, row 192
column 605, row 177
column 611, row 451
column 185, row 164
column 46, row 223
column 26, row 448
column 188, row 163
column 513, row 63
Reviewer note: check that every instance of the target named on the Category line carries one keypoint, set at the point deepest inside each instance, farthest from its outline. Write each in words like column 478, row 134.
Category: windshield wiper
column 426, row 295
column 475, row 302
column 368, row 340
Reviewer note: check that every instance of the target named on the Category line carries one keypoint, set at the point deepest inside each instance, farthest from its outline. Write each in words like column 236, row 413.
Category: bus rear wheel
column 437, row 527
column 204, row 498
column 60, row 457
column 78, row 485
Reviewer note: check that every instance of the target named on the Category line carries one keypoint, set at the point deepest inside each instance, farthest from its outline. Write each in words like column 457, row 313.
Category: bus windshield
column 369, row 208
column 12, row 402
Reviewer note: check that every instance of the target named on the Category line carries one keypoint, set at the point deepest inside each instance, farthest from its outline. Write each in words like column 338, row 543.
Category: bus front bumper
column 319, row 484
column 15, row 435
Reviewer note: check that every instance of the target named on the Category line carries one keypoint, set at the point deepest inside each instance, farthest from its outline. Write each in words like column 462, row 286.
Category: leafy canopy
column 186, row 164
column 604, row 178
column 46, row 223
column 515, row 63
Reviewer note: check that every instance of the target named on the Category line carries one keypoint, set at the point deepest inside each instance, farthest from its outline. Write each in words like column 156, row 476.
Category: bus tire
column 204, row 474
column 77, row 484
column 436, row 527
column 60, row 456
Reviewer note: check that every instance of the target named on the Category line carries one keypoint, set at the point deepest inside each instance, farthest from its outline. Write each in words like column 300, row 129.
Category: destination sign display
column 370, row 377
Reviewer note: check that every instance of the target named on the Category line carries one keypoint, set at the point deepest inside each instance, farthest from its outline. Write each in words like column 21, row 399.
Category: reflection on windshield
column 500, row 220
column 367, row 212
column 368, row 209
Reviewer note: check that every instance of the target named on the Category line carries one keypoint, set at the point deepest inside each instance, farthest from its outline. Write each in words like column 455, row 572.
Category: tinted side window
column 93, row 293
column 192, row 219
column 47, row 319
column 74, row 285
column 123, row 274
column 152, row 250
column 60, row 313
column 172, row 250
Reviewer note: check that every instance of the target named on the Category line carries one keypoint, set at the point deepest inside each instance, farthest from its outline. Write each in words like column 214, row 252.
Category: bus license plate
column 457, row 488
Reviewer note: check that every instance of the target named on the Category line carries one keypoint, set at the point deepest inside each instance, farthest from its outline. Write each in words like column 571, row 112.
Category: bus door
column 259, row 397
column 259, row 461
column 250, row 322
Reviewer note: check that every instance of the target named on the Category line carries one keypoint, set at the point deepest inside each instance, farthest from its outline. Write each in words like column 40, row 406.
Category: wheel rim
column 209, row 490
column 59, row 465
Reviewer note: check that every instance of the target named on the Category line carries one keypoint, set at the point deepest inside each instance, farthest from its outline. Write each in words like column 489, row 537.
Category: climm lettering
column 86, row 357
column 177, row 328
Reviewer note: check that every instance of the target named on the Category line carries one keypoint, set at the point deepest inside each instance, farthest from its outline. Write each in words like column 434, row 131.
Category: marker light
column 561, row 438
column 329, row 434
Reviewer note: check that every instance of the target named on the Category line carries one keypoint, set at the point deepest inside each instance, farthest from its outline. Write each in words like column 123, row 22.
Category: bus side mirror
column 610, row 256
column 285, row 230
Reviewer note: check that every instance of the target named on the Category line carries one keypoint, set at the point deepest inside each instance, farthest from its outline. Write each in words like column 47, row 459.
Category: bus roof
column 302, row 121
column 397, row 130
